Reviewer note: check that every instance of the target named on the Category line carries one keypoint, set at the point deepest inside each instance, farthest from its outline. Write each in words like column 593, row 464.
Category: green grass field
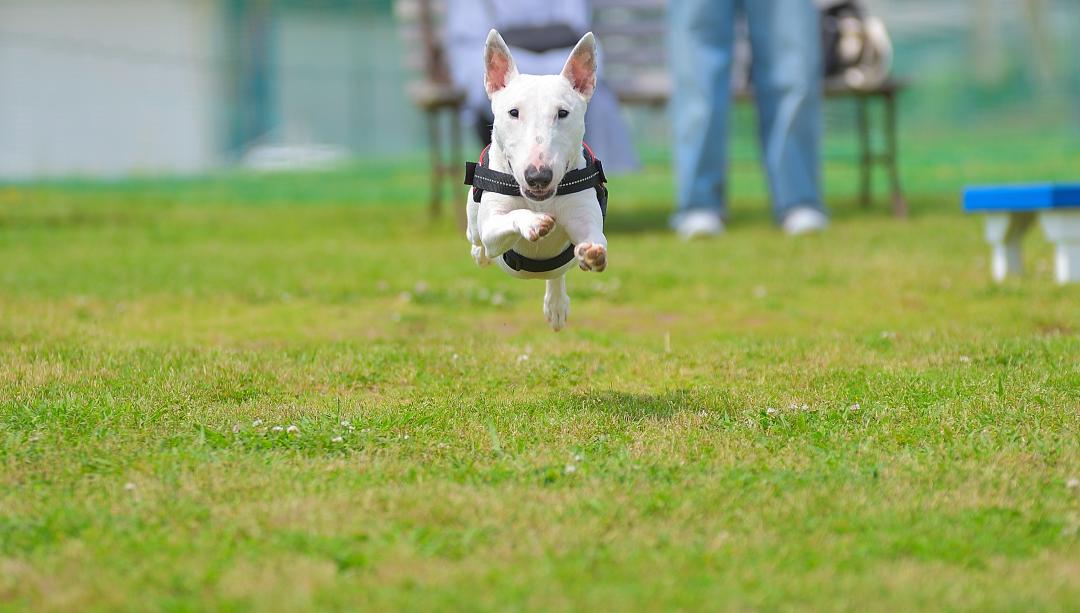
column 293, row 392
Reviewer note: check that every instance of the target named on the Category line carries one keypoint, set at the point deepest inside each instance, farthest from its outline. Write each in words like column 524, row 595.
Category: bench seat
column 1011, row 209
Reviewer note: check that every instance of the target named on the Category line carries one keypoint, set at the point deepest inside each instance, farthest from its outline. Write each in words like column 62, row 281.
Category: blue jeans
column 785, row 41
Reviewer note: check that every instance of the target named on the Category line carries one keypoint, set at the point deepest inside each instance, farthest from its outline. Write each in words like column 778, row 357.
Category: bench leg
column 1063, row 229
column 454, row 166
column 862, row 121
column 435, row 146
column 1004, row 231
column 899, row 204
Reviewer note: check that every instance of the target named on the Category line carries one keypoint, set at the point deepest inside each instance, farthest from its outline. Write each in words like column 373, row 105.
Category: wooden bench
column 420, row 24
column 633, row 35
column 1011, row 209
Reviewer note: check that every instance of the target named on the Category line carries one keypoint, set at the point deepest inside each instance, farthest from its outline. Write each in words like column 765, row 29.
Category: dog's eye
column 563, row 113
column 514, row 113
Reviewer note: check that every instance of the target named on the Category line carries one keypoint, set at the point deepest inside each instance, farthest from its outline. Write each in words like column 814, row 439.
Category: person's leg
column 700, row 35
column 785, row 39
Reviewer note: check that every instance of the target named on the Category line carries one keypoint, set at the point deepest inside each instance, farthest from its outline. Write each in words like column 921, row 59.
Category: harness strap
column 516, row 261
column 479, row 175
column 484, row 179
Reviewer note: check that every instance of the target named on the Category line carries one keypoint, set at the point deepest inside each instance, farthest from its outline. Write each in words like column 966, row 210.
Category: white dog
column 540, row 191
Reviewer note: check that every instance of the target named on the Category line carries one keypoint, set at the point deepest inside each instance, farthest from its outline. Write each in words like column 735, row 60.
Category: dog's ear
column 580, row 68
column 499, row 66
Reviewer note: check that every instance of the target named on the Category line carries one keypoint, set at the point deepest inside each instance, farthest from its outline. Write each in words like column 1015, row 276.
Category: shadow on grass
column 61, row 219
column 654, row 219
column 637, row 220
column 646, row 406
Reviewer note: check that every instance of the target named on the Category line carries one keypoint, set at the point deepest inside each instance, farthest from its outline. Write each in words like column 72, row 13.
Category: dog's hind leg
column 556, row 302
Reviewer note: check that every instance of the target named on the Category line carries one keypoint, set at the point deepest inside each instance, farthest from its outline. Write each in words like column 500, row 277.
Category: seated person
column 541, row 36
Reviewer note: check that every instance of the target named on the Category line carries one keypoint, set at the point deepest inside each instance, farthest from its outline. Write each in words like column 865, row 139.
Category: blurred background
column 112, row 88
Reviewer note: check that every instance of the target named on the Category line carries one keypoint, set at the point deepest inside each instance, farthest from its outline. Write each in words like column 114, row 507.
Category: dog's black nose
column 538, row 178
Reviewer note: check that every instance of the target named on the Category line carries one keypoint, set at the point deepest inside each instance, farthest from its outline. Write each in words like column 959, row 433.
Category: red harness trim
column 589, row 149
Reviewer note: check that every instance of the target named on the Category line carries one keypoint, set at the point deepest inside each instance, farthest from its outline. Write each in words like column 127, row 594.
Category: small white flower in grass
column 129, row 487
column 889, row 335
column 523, row 358
column 455, row 356
column 405, row 437
column 345, row 424
column 1073, row 484
column 498, row 299
column 855, row 407
column 965, row 359
column 337, row 439
column 570, row 469
column 292, row 430
column 256, row 423
column 577, row 457
column 771, row 411
column 277, row 429
column 236, row 428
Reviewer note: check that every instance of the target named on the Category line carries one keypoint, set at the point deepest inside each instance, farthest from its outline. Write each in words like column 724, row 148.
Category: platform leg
column 1063, row 229
column 1004, row 231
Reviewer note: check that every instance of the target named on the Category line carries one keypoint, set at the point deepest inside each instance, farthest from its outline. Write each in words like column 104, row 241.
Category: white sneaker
column 699, row 223
column 804, row 220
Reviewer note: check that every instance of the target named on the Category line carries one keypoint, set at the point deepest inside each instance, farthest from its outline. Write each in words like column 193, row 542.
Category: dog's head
column 539, row 120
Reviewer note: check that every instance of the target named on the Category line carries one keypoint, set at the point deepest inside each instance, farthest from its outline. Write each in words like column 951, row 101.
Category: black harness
column 482, row 179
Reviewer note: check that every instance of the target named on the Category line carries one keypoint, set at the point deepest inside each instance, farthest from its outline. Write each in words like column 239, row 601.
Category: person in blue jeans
column 786, row 74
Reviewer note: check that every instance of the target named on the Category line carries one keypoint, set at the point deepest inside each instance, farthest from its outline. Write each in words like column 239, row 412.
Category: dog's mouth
column 538, row 195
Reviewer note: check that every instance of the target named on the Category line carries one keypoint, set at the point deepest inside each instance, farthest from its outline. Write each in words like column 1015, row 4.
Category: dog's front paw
column 591, row 256
column 480, row 256
column 538, row 227
column 556, row 310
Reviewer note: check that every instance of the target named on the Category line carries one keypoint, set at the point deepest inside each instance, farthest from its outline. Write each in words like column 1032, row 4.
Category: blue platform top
column 1026, row 197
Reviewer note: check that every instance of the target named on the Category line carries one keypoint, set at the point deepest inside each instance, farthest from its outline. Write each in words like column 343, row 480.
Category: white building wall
column 108, row 88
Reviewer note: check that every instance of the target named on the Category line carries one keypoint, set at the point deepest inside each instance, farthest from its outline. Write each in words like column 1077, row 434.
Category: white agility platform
column 1011, row 209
